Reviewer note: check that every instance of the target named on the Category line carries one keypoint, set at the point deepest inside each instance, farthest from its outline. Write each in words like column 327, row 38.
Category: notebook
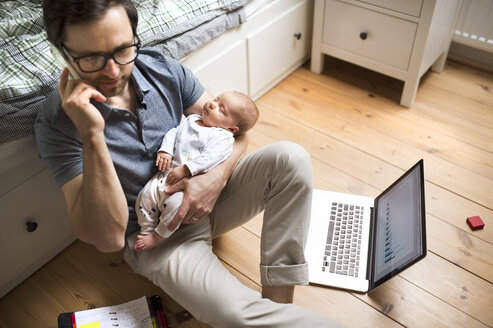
column 358, row 243
column 144, row 312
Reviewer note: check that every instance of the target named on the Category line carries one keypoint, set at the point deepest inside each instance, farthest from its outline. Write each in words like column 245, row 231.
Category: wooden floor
column 360, row 140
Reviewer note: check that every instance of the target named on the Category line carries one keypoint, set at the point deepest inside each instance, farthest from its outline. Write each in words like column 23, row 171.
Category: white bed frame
column 252, row 58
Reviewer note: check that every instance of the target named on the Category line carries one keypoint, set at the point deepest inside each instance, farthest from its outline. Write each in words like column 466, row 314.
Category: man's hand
column 200, row 195
column 163, row 160
column 76, row 102
column 177, row 174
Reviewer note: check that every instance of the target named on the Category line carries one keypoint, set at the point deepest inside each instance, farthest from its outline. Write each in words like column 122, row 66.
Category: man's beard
column 117, row 90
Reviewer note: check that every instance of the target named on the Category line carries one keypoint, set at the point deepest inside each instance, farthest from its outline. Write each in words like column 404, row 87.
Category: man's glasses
column 93, row 63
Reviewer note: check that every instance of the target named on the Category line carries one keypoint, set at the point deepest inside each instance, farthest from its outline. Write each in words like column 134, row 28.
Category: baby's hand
column 163, row 161
column 177, row 174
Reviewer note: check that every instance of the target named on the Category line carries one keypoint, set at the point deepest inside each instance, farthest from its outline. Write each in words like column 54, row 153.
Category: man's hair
column 248, row 115
column 57, row 14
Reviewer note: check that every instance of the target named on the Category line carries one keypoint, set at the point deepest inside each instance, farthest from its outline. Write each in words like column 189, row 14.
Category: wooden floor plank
column 442, row 172
column 111, row 267
column 340, row 307
column 455, row 210
column 88, row 290
column 438, row 171
column 413, row 306
column 466, row 292
column 375, row 172
column 325, row 86
column 395, row 300
column 462, row 248
column 32, row 303
column 324, row 146
column 242, row 250
column 423, row 114
column 458, row 91
column 436, row 108
column 470, row 132
column 469, row 84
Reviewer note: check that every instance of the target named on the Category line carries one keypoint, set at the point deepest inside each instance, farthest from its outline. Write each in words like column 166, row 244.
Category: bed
column 28, row 72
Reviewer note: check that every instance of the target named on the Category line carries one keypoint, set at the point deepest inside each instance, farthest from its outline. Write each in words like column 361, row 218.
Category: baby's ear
column 233, row 129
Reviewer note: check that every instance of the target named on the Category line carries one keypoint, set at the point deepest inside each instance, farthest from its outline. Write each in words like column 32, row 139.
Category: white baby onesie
column 200, row 149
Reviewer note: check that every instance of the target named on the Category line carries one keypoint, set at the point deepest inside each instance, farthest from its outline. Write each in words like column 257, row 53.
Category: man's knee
column 290, row 152
column 293, row 161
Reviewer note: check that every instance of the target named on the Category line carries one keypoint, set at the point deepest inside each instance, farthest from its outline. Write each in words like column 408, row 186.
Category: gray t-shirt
column 164, row 89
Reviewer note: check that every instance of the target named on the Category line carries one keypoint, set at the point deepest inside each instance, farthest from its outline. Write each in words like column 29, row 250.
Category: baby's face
column 219, row 111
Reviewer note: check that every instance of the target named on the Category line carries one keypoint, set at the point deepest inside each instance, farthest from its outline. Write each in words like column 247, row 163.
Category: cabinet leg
column 317, row 63
column 439, row 63
column 409, row 93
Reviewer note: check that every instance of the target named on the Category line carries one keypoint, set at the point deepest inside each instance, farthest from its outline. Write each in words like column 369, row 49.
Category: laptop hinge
column 369, row 265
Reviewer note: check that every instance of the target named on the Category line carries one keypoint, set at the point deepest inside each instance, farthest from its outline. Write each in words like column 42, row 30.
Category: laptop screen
column 399, row 228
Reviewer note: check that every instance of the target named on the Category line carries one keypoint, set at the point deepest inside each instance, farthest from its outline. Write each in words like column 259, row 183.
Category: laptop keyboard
column 342, row 251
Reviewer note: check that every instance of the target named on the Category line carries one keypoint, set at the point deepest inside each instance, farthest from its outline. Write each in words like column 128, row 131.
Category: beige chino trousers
column 277, row 179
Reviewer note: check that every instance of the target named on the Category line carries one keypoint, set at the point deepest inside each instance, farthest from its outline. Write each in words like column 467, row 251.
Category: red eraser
column 475, row 222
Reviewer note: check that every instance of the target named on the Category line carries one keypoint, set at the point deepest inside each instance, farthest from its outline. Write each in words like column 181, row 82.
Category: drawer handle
column 297, row 36
column 31, row 226
column 363, row 35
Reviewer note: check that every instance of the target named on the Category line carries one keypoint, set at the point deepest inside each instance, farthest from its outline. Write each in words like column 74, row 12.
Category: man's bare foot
column 278, row 294
column 148, row 241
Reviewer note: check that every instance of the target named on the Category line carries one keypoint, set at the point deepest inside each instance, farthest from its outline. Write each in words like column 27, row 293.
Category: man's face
column 111, row 32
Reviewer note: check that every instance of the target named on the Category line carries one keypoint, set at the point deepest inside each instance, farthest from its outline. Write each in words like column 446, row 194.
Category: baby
column 200, row 143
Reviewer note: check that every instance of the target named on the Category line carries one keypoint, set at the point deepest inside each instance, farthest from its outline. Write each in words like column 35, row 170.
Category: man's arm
column 96, row 202
column 197, row 107
column 95, row 199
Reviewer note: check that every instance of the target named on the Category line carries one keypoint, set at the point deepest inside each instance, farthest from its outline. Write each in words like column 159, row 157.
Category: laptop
column 358, row 243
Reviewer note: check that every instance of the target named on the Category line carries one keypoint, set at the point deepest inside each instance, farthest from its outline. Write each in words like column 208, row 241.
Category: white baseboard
column 475, row 57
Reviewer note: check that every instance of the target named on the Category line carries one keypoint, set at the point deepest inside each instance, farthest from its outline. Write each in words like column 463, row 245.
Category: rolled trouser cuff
column 284, row 275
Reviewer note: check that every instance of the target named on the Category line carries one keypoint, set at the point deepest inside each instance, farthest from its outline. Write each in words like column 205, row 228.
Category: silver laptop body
column 358, row 243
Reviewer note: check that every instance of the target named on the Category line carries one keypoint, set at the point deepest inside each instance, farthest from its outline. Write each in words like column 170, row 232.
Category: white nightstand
column 398, row 38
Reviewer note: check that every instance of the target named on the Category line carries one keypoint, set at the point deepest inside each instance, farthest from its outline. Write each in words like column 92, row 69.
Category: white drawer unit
column 410, row 7
column 221, row 71
column 401, row 38
column 391, row 38
column 255, row 56
column 279, row 46
column 35, row 227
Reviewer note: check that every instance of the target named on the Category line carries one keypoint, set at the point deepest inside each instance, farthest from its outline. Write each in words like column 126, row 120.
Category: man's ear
column 233, row 129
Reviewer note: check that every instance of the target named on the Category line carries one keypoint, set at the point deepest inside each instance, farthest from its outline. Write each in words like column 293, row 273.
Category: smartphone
column 62, row 62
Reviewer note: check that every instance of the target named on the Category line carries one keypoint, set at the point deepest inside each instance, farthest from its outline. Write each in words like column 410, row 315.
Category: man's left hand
column 200, row 193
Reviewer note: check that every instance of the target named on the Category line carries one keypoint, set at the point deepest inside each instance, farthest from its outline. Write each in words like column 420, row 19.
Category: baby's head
column 231, row 110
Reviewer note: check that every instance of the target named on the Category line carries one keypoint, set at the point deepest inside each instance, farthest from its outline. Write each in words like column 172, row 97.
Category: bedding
column 28, row 73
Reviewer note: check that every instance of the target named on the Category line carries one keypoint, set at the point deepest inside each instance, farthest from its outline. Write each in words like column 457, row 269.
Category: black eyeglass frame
column 106, row 56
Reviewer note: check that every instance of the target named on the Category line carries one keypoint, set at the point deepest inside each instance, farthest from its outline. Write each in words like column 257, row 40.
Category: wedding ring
column 194, row 219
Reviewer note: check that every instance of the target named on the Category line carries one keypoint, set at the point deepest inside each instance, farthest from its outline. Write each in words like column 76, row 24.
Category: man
column 99, row 135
